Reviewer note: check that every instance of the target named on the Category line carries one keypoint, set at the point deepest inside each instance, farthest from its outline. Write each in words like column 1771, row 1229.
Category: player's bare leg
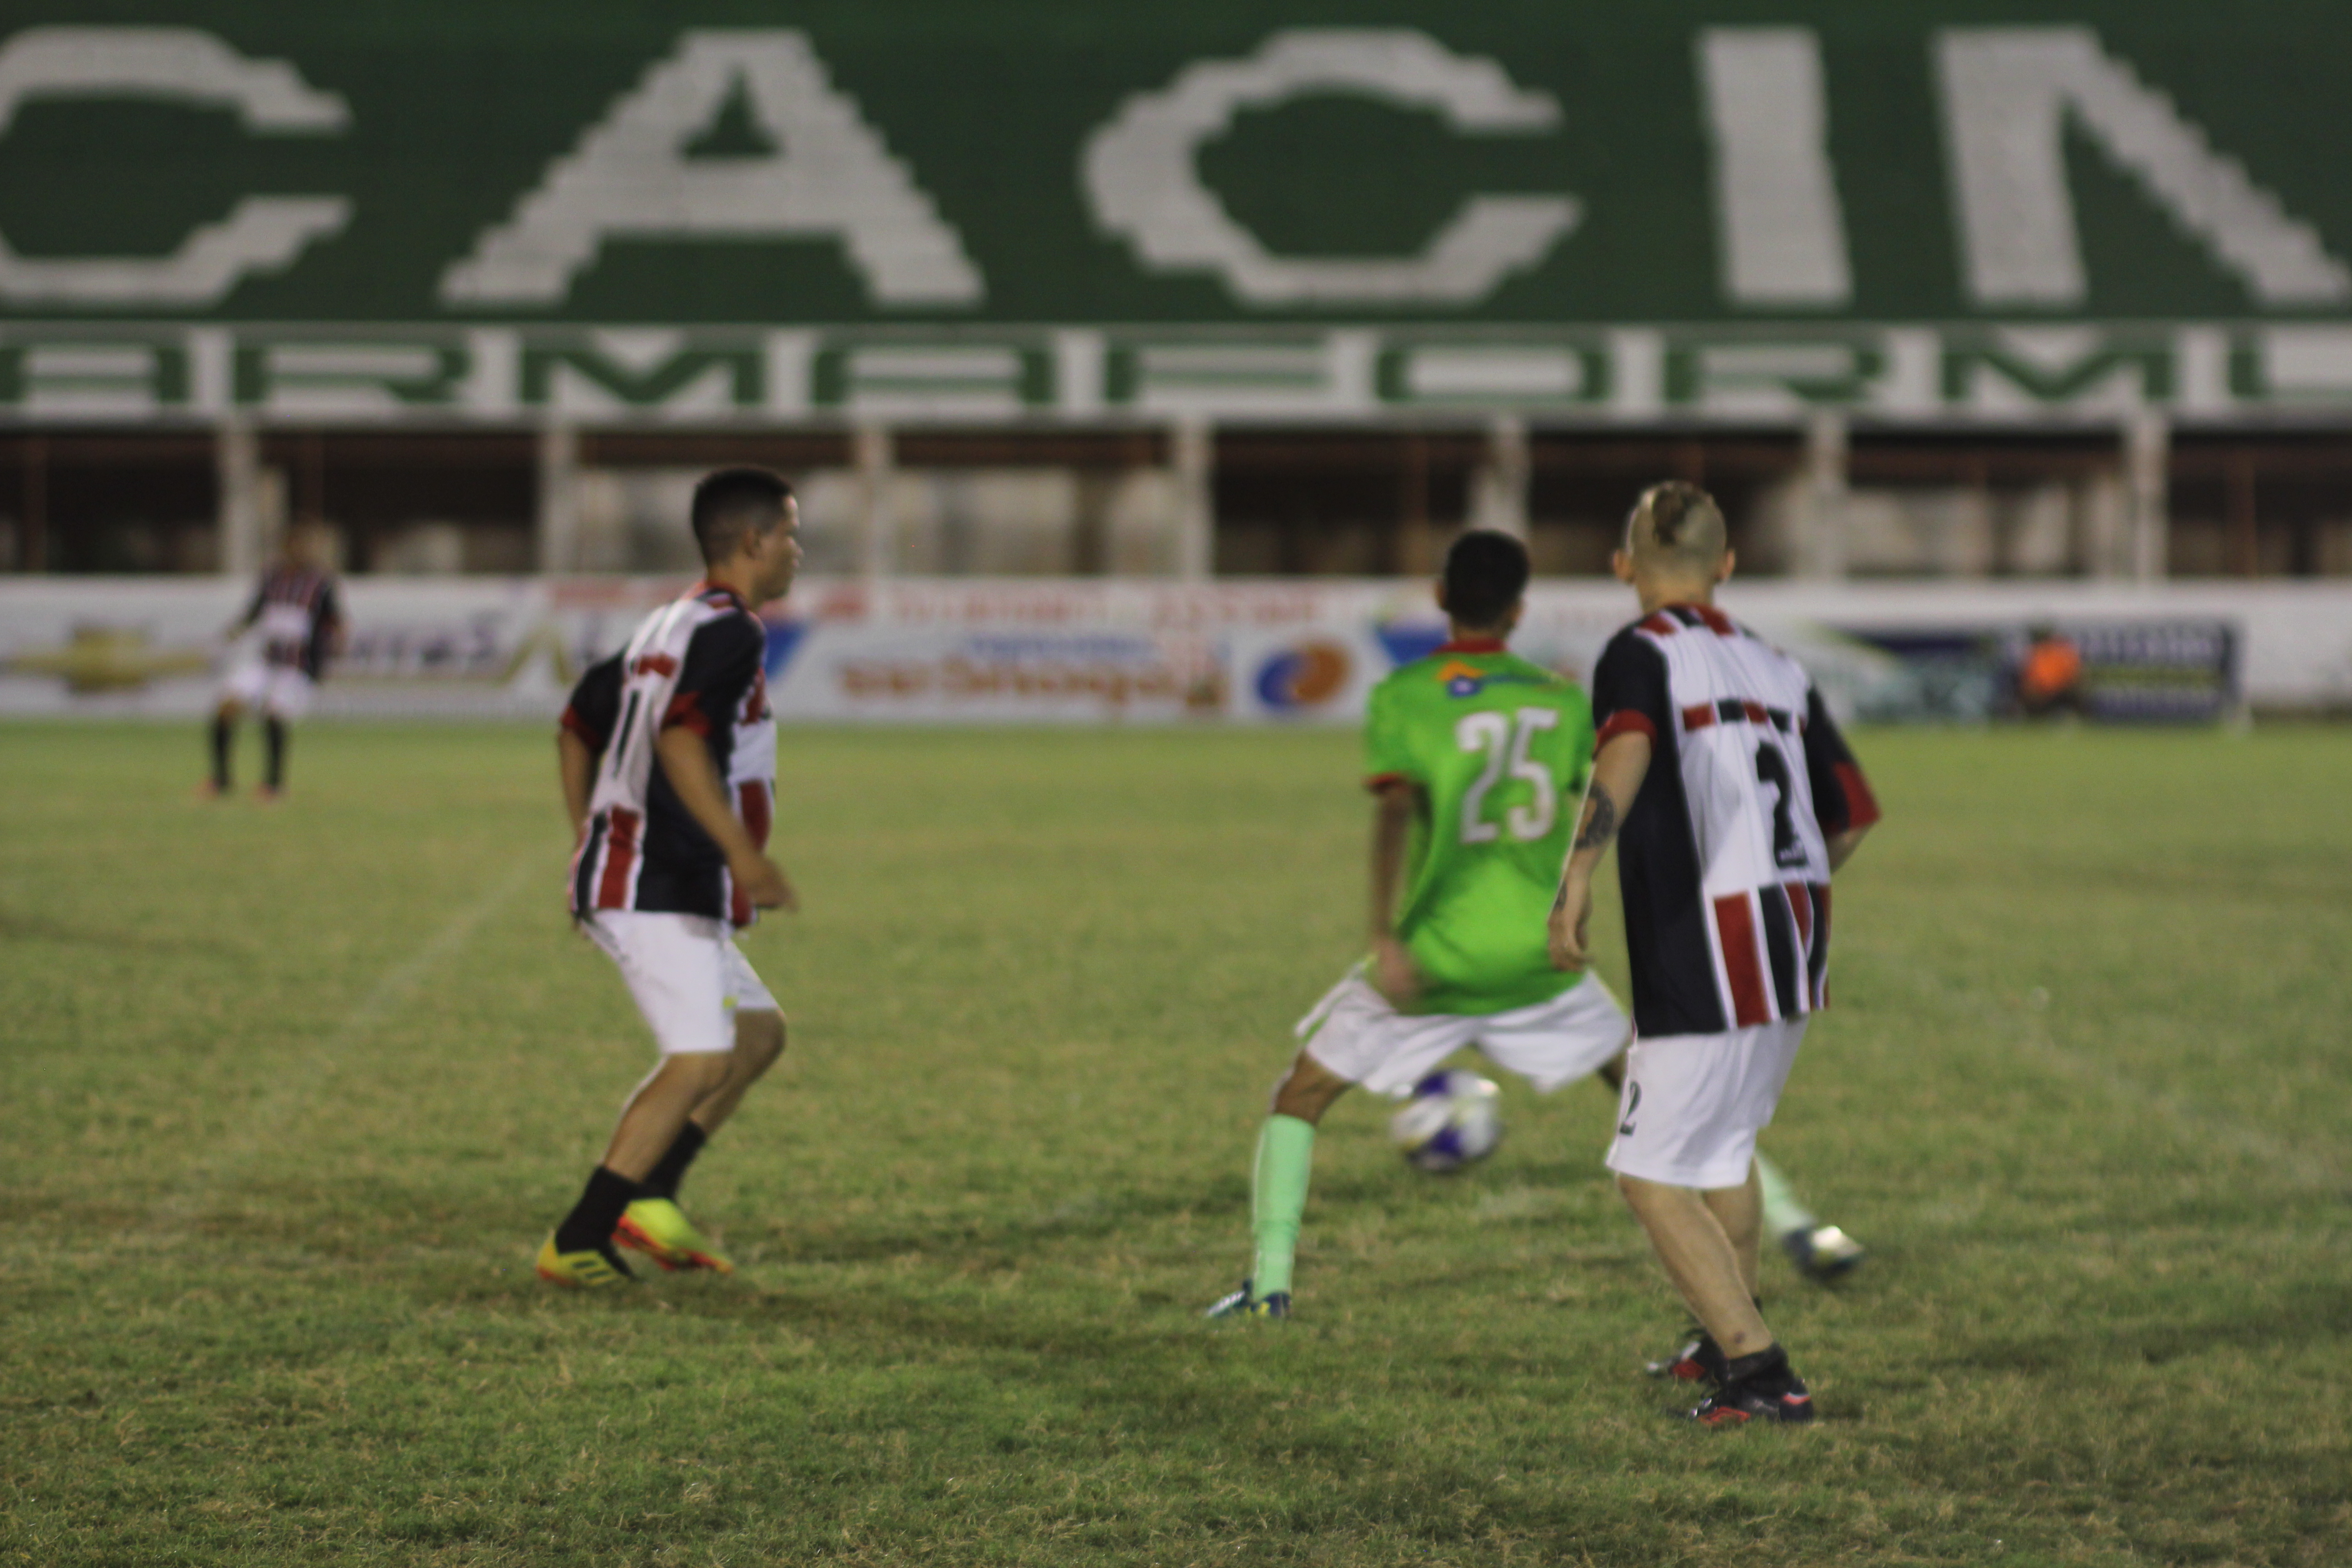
column 1285, row 1155
column 1821, row 1252
column 659, row 1109
column 654, row 1224
column 1702, row 1258
column 759, row 1041
column 581, row 1251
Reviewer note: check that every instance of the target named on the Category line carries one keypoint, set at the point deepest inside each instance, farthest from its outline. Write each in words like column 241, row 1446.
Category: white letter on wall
column 2007, row 93
column 629, row 178
column 1778, row 224
column 179, row 65
column 1137, row 170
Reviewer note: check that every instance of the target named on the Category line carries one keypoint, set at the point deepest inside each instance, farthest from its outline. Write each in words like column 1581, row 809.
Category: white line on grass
column 294, row 1087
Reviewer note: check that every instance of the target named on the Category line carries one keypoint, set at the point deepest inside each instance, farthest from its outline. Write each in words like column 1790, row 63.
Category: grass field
column 292, row 1093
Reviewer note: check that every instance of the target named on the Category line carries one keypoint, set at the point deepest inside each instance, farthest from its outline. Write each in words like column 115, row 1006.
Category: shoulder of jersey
column 1460, row 675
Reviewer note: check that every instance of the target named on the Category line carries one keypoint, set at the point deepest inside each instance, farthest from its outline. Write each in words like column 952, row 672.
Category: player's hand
column 763, row 882
column 1571, row 944
column 1394, row 974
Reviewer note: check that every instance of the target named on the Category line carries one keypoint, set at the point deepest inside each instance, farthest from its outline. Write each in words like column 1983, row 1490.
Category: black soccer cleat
column 1700, row 1360
column 1780, row 1396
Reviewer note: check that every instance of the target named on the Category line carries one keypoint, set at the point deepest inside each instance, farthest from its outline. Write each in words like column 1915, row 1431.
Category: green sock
column 1782, row 1212
column 1286, row 1149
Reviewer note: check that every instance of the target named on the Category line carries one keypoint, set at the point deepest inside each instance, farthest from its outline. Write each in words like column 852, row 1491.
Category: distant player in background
column 2050, row 677
column 301, row 621
column 668, row 760
column 1736, row 798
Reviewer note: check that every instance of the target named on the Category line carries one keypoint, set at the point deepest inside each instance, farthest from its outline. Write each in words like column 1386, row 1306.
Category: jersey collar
column 708, row 586
column 1473, row 644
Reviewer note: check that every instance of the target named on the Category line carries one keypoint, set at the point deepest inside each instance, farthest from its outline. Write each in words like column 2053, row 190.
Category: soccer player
column 301, row 623
column 1474, row 748
column 1473, row 752
column 668, row 761
column 1733, row 799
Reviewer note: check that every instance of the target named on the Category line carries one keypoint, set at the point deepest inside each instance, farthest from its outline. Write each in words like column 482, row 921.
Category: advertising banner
column 1102, row 651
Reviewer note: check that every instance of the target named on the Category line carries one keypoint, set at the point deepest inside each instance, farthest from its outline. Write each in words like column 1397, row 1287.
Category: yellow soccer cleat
column 589, row 1271
column 659, row 1228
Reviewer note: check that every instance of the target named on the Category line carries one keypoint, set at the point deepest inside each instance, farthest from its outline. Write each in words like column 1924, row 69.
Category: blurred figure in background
column 301, row 620
column 2050, row 679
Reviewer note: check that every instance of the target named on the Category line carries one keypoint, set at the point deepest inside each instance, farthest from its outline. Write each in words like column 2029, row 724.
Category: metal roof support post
column 238, row 457
column 1821, row 515
column 1192, row 453
column 2147, row 473
column 558, row 498
column 1498, row 498
column 878, row 543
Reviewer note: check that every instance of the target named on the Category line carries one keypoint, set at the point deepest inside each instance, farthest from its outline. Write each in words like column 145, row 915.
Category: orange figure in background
column 2051, row 678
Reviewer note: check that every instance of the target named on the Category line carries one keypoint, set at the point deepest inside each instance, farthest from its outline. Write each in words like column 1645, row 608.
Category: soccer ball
column 1453, row 1119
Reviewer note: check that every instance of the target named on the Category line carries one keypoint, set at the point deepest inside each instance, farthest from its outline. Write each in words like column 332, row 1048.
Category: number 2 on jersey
column 1505, row 740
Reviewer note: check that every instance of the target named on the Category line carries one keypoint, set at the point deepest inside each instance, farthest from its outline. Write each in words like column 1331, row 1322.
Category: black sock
column 275, row 728
column 663, row 1179
column 224, row 733
column 1766, row 1369
column 589, row 1226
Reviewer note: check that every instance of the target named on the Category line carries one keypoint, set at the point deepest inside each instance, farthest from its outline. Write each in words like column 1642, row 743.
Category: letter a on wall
column 831, row 178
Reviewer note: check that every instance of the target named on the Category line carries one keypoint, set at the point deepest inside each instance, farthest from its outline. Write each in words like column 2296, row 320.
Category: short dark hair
column 1485, row 574
column 733, row 502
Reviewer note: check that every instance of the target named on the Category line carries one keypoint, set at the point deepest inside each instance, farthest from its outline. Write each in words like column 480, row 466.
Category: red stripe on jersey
column 1473, row 644
column 686, row 711
column 1698, row 716
column 1625, row 722
column 1661, row 624
column 579, row 726
column 1717, row 621
column 1861, row 805
column 1734, row 925
column 620, row 858
column 1756, row 712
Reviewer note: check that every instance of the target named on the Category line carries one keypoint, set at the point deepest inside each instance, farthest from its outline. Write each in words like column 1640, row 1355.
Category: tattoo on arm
column 1600, row 821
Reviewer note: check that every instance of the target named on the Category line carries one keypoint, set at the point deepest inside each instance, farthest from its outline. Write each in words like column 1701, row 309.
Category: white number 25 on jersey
column 1505, row 742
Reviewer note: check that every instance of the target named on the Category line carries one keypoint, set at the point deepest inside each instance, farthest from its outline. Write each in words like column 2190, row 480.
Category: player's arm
column 585, row 730
column 722, row 661
column 1617, row 775
column 335, row 629
column 1842, row 803
column 1396, row 802
column 237, row 627
column 685, row 760
column 577, row 765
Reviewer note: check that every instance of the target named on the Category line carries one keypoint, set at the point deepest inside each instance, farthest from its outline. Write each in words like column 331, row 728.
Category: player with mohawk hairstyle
column 1731, row 798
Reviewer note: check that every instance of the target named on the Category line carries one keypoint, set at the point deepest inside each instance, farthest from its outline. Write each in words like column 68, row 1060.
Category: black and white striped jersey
column 698, row 662
column 297, row 608
column 1722, row 856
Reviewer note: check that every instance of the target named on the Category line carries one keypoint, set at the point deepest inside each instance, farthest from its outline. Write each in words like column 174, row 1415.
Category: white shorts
column 280, row 690
column 1693, row 1104
column 1358, row 1035
column 687, row 974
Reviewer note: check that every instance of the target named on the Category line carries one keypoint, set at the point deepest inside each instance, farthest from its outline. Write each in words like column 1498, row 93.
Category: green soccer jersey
column 1499, row 749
